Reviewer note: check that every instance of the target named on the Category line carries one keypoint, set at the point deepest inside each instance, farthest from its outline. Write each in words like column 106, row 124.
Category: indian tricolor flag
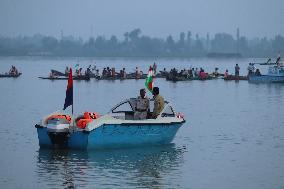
column 150, row 79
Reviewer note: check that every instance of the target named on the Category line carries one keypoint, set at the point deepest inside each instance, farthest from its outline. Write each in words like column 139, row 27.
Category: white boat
column 114, row 130
column 275, row 75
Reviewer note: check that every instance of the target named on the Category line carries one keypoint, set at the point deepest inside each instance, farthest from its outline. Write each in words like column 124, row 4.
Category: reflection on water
column 136, row 167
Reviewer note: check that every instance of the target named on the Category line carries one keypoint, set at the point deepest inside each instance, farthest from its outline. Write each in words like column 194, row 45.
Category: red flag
column 69, row 92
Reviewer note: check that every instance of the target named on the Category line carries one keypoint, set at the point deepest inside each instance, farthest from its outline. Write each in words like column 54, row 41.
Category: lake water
column 233, row 137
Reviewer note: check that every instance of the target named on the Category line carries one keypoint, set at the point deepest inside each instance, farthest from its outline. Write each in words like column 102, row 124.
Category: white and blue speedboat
column 113, row 130
column 275, row 75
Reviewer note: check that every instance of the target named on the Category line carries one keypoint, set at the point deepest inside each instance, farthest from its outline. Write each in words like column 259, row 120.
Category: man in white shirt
column 142, row 106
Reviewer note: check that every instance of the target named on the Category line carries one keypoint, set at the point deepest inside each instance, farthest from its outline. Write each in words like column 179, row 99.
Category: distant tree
column 126, row 37
column 170, row 45
column 182, row 38
column 134, row 35
column 134, row 44
column 49, row 43
column 278, row 44
column 207, row 42
column 188, row 38
column 243, row 47
column 223, row 43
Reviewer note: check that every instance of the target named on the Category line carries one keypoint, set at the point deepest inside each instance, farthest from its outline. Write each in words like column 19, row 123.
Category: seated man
column 142, row 106
column 158, row 103
column 257, row 72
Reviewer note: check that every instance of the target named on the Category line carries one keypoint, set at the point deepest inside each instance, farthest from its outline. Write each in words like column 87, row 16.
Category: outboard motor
column 58, row 130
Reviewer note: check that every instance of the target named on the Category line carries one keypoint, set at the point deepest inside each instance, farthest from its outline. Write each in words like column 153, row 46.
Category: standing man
column 278, row 60
column 155, row 68
column 237, row 70
column 159, row 103
column 142, row 106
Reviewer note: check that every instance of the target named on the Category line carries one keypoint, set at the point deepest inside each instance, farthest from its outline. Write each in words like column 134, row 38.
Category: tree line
column 134, row 44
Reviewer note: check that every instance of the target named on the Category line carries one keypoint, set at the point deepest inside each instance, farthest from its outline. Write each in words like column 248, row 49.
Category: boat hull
column 235, row 78
column 86, row 78
column 115, row 136
column 266, row 79
column 9, row 75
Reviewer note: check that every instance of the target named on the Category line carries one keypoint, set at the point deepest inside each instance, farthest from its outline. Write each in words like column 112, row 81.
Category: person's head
column 226, row 70
column 156, row 91
column 237, row 64
column 142, row 93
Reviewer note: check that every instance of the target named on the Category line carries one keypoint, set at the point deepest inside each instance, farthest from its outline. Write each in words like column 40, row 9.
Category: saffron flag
column 69, row 91
column 150, row 79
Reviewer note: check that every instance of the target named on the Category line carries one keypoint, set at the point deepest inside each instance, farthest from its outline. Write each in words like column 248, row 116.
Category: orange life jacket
column 88, row 117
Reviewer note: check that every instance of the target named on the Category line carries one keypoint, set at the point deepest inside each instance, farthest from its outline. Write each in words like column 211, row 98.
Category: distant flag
column 150, row 79
column 69, row 92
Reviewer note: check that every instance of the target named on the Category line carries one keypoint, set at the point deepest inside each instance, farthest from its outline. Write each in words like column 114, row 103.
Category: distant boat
column 10, row 75
column 82, row 77
column 275, row 75
column 116, row 129
column 235, row 78
column 58, row 73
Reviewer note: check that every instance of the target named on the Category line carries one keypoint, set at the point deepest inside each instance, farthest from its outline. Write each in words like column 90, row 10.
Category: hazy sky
column 157, row 18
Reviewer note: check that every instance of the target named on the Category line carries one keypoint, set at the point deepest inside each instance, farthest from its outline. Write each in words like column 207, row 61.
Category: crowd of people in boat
column 106, row 73
column 13, row 72
column 190, row 73
column 111, row 73
column 252, row 70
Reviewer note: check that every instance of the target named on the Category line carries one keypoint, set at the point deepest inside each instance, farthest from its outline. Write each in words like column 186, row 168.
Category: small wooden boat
column 117, row 77
column 235, row 78
column 10, row 75
column 83, row 77
column 184, row 78
column 58, row 73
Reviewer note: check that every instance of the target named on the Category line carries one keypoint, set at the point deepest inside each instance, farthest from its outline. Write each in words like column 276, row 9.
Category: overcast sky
column 157, row 18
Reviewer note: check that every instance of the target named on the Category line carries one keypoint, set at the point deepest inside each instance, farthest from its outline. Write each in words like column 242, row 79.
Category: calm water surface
column 233, row 137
